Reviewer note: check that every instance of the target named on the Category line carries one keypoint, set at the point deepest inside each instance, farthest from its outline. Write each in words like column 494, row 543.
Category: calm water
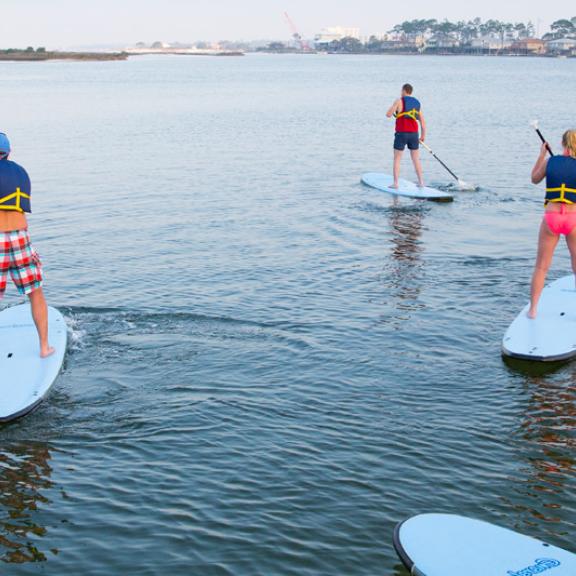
column 270, row 364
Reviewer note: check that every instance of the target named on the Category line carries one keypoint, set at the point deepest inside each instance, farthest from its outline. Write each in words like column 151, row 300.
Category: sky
column 68, row 23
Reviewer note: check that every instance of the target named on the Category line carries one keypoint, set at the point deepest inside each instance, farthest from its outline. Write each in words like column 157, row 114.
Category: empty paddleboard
column 25, row 378
column 552, row 334
column 449, row 545
column 405, row 188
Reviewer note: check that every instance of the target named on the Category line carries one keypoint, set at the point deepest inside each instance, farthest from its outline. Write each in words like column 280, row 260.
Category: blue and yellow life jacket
column 15, row 188
column 411, row 108
column 561, row 180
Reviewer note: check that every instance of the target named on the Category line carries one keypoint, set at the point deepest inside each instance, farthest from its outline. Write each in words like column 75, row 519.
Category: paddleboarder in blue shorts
column 409, row 119
column 17, row 256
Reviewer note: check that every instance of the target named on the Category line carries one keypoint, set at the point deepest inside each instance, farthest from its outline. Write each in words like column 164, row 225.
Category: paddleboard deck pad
column 405, row 188
column 25, row 378
column 552, row 334
column 450, row 545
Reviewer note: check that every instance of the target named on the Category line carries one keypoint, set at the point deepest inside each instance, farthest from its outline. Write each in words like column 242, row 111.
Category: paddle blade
column 466, row 186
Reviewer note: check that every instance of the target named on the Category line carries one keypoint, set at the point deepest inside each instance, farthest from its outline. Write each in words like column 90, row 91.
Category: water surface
column 270, row 364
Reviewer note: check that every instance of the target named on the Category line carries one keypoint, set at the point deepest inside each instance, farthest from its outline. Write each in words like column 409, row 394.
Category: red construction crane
column 300, row 42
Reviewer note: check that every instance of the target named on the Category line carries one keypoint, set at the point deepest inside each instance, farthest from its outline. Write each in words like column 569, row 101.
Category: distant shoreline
column 182, row 52
column 491, row 54
column 40, row 55
column 13, row 55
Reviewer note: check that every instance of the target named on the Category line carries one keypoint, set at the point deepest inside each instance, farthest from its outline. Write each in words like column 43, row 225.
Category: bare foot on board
column 48, row 351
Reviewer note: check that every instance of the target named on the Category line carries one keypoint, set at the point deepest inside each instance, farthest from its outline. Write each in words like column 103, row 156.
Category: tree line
column 564, row 28
column 466, row 31
column 462, row 32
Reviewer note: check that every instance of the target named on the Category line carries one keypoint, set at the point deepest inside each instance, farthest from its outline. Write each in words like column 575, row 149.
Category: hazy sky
column 60, row 23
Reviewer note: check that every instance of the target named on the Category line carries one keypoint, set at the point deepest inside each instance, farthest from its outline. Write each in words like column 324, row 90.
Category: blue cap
column 4, row 144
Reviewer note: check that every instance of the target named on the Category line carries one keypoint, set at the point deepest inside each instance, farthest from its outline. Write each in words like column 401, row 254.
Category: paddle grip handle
column 544, row 142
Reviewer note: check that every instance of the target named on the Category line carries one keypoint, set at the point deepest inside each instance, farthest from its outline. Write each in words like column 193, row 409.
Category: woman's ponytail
column 569, row 142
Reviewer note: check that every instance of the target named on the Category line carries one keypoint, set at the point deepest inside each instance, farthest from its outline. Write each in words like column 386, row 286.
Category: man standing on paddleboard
column 408, row 114
column 17, row 256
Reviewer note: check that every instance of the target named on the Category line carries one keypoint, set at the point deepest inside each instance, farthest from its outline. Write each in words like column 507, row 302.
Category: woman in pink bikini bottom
column 560, row 210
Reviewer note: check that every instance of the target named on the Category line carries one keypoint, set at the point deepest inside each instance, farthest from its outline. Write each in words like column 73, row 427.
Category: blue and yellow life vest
column 561, row 180
column 15, row 188
column 411, row 108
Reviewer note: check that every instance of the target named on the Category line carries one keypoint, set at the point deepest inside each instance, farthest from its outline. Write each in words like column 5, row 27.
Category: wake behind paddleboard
column 450, row 545
column 552, row 334
column 25, row 378
column 405, row 188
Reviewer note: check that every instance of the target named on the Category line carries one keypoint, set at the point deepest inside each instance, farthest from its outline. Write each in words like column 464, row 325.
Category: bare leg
column 40, row 315
column 397, row 160
column 415, row 154
column 571, row 243
column 547, row 242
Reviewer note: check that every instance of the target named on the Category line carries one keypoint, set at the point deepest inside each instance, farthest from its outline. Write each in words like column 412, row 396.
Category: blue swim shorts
column 403, row 139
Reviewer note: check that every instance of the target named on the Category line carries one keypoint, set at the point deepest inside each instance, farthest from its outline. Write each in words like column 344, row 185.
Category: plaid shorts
column 19, row 258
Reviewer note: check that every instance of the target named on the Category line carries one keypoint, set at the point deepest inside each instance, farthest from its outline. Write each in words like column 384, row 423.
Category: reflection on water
column 548, row 429
column 406, row 264
column 533, row 371
column 399, row 570
column 24, row 477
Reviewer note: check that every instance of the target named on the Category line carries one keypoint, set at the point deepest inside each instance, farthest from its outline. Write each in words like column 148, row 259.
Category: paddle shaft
column 544, row 141
column 432, row 152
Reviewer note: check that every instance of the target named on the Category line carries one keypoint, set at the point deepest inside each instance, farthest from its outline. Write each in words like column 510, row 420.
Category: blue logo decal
column 541, row 565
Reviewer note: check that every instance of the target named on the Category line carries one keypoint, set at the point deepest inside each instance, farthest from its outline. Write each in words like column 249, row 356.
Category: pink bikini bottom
column 562, row 222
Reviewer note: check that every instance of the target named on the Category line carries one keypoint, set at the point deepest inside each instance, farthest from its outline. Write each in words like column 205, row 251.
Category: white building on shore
column 491, row 43
column 336, row 33
column 561, row 45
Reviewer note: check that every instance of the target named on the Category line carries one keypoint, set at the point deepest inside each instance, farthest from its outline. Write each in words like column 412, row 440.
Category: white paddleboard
column 449, row 545
column 405, row 188
column 25, row 378
column 552, row 334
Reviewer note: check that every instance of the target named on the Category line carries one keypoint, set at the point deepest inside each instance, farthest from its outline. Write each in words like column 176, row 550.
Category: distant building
column 403, row 45
column 418, row 39
column 490, row 43
column 383, row 37
column 160, row 45
column 442, row 42
column 528, row 46
column 561, row 45
column 336, row 33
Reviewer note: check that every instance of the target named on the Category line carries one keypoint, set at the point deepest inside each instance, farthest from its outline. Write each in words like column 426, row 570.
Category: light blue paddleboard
column 552, row 334
column 449, row 545
column 25, row 378
column 405, row 188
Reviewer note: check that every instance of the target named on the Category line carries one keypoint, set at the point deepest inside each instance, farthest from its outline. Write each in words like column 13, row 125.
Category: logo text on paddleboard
column 541, row 565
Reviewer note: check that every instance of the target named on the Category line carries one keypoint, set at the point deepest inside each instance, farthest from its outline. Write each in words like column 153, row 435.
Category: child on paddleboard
column 408, row 113
column 17, row 256
column 559, row 210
